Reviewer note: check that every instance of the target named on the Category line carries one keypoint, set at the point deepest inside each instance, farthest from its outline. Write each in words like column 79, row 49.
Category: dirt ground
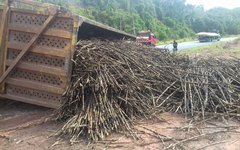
column 26, row 127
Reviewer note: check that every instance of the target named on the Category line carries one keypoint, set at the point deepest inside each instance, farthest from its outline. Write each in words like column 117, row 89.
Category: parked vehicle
column 208, row 36
column 146, row 38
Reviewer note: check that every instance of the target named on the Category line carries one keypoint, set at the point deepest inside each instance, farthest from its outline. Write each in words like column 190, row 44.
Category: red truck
column 146, row 38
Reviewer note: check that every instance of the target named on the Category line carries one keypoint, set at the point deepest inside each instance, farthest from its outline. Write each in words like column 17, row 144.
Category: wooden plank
column 39, row 68
column 69, row 64
column 49, row 32
column 46, row 13
column 38, row 49
column 3, row 40
column 35, row 3
column 1, row 11
column 35, row 86
column 24, row 51
column 55, row 44
column 35, row 101
column 28, row 11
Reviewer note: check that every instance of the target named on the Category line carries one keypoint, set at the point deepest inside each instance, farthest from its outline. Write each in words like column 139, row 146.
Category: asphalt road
column 189, row 45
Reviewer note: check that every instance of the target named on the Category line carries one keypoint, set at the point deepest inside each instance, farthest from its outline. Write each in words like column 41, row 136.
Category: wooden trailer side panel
column 1, row 49
column 3, row 25
column 37, row 48
column 42, row 75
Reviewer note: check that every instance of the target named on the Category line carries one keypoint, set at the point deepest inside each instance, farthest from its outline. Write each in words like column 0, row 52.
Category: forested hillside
column 168, row 19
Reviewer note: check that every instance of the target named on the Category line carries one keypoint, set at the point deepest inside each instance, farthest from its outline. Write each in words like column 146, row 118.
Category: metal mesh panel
column 28, row 19
column 63, row 23
column 21, row 37
column 51, row 51
column 38, row 58
column 31, row 93
column 37, row 77
column 53, row 42
column 30, row 6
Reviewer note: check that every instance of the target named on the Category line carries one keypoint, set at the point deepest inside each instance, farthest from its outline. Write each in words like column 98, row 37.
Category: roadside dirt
column 26, row 127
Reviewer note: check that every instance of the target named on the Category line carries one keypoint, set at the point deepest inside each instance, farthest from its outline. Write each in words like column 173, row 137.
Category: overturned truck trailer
column 37, row 42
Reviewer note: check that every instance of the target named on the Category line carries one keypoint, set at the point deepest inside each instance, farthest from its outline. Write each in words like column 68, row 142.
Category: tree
column 166, row 19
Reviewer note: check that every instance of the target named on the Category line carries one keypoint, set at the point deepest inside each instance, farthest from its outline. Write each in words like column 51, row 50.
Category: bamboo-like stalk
column 114, row 82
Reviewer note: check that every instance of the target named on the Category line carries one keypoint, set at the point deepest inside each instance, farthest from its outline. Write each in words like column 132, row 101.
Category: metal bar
column 40, row 68
column 38, row 49
column 3, row 36
column 49, row 32
column 60, row 52
column 33, row 3
column 34, row 12
column 25, row 50
column 40, row 12
column 69, row 64
column 35, row 101
column 36, row 86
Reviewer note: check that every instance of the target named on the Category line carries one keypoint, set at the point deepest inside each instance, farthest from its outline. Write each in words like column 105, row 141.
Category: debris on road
column 115, row 82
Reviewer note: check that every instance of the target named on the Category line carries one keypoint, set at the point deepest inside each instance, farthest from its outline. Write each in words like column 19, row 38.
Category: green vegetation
column 166, row 19
column 206, row 48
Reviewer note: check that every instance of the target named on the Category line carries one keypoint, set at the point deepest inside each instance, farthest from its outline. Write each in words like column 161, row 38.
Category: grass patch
column 200, row 49
column 222, row 49
column 227, row 36
column 167, row 42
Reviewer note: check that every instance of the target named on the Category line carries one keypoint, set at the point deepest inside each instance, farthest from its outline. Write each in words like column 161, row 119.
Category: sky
column 208, row 4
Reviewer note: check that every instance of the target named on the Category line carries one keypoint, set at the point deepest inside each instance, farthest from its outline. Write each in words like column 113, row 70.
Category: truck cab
column 146, row 38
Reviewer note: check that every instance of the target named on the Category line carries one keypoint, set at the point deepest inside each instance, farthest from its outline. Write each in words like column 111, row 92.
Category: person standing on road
column 175, row 44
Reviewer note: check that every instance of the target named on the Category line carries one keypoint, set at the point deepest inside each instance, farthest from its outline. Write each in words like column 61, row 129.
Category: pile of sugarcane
column 209, row 85
column 115, row 82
